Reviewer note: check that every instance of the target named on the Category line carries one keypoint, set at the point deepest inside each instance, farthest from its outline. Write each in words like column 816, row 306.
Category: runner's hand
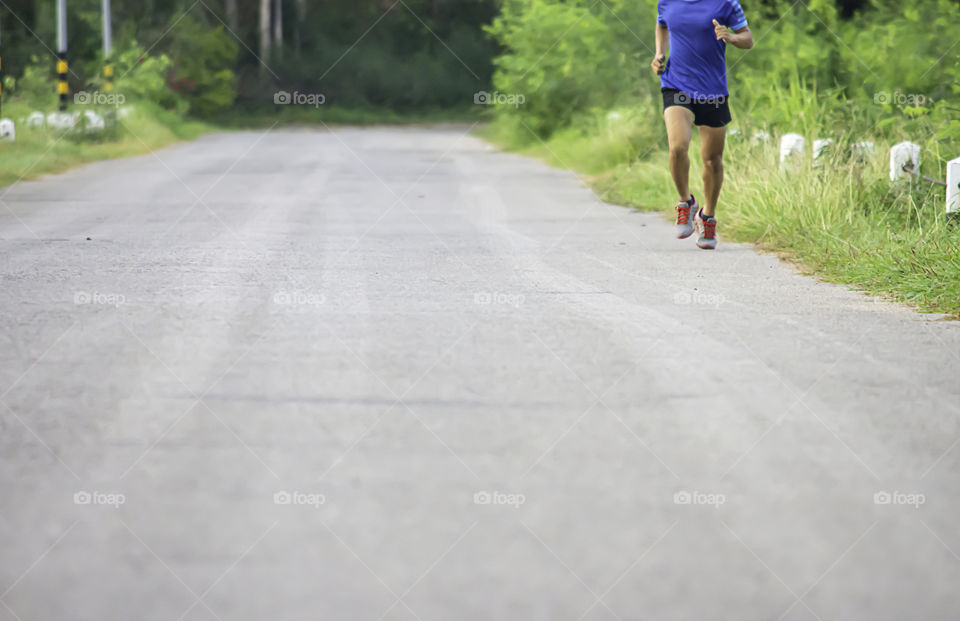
column 659, row 65
column 723, row 33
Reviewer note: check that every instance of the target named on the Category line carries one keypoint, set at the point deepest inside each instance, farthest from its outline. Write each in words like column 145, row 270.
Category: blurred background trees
column 565, row 56
column 405, row 55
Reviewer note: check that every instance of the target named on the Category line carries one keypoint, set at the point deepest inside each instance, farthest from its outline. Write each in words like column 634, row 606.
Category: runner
column 694, row 87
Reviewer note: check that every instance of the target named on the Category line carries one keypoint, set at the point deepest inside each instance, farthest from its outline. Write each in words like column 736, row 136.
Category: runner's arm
column 742, row 38
column 663, row 43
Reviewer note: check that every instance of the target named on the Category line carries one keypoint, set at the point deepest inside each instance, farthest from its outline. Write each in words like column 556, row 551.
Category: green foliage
column 142, row 77
column 35, row 85
column 414, row 55
column 420, row 54
column 884, row 71
column 561, row 57
column 202, row 58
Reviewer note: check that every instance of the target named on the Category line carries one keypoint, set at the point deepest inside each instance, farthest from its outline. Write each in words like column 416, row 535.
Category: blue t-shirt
column 697, row 64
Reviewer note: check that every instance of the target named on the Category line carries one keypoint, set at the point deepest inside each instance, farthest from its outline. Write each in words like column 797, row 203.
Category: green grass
column 38, row 152
column 594, row 145
column 841, row 220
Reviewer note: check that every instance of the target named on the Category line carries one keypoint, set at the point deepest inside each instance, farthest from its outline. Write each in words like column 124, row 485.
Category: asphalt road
column 392, row 374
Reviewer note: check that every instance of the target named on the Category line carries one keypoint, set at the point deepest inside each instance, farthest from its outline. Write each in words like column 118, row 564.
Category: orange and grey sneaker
column 708, row 227
column 685, row 213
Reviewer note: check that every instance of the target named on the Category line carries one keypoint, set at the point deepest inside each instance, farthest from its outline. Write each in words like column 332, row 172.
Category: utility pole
column 62, row 87
column 265, row 42
column 107, row 47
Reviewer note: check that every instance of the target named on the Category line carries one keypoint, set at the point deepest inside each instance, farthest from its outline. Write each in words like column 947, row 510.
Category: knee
column 713, row 163
column 678, row 152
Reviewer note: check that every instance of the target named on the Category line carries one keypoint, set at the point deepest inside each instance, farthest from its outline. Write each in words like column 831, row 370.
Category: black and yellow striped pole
column 63, row 89
column 107, row 48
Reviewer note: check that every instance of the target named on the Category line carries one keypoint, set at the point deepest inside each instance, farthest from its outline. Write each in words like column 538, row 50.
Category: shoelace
column 709, row 228
column 683, row 213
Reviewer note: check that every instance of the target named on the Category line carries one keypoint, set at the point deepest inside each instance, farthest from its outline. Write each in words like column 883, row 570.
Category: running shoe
column 685, row 211
column 708, row 227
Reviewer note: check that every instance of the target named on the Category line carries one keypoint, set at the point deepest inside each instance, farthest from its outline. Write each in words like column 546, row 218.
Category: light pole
column 62, row 87
column 107, row 47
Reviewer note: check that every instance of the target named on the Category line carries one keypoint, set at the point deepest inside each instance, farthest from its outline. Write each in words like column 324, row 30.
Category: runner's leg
column 712, row 141
column 679, row 129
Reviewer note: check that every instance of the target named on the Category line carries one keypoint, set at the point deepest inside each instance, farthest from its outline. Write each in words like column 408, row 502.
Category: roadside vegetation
column 183, row 68
column 881, row 74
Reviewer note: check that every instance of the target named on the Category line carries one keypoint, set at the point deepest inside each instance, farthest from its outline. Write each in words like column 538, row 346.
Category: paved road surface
column 392, row 374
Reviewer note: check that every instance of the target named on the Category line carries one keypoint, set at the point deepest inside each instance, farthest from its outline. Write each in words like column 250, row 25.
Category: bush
column 560, row 56
column 141, row 77
column 201, row 72
column 37, row 85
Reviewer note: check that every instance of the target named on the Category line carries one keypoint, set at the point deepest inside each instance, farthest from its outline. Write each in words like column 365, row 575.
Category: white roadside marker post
column 822, row 150
column 93, row 121
column 953, row 186
column 863, row 151
column 820, row 145
column 791, row 151
column 8, row 130
column 904, row 154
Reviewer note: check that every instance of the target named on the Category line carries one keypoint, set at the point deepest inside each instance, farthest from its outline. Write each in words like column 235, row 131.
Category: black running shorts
column 710, row 112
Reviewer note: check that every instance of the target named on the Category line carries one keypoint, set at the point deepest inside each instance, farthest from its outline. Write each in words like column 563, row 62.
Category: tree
column 301, row 19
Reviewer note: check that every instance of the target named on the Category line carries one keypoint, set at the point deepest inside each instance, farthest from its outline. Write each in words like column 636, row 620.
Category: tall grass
column 838, row 217
column 40, row 151
column 842, row 218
